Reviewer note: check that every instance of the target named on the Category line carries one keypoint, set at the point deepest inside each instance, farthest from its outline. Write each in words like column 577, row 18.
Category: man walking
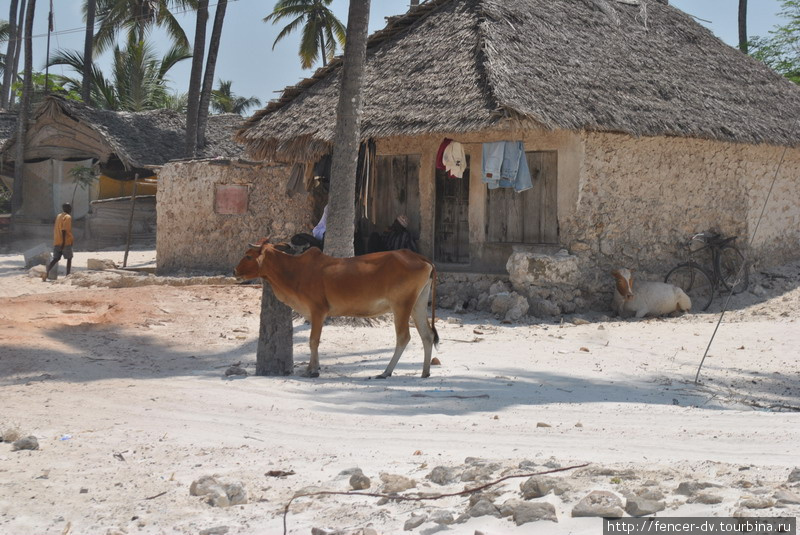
column 62, row 239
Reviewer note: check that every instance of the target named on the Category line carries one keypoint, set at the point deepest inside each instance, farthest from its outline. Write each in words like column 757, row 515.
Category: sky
column 247, row 58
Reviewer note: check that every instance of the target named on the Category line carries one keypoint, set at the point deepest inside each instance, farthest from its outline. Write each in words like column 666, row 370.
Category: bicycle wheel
column 732, row 269
column 695, row 281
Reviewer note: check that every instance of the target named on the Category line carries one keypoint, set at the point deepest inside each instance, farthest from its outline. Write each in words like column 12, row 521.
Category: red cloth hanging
column 440, row 153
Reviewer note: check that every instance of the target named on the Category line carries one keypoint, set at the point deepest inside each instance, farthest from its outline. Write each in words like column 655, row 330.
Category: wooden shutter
column 531, row 216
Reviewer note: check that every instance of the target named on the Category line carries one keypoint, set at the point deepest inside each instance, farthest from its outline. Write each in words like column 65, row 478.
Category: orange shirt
column 63, row 222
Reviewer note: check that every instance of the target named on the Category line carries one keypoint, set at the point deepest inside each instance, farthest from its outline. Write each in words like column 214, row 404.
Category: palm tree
column 24, row 111
column 88, row 46
column 136, row 17
column 321, row 29
column 208, row 76
column 8, row 60
column 21, row 16
column 743, row 45
column 176, row 101
column 138, row 77
column 224, row 101
column 5, row 29
column 195, row 79
column 341, row 201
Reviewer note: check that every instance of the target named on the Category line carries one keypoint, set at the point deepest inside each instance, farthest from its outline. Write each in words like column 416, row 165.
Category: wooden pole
column 130, row 221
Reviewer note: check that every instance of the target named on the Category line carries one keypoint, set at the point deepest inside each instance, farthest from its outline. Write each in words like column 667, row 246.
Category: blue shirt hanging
column 505, row 166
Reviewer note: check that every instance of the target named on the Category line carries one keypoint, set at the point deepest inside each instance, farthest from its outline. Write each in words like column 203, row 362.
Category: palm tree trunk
column 743, row 46
column 322, row 48
column 24, row 110
column 196, row 78
column 12, row 44
column 274, row 352
column 17, row 50
column 341, row 203
column 88, row 48
column 208, row 77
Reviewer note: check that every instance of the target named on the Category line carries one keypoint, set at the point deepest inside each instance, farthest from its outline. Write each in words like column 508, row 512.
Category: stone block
column 560, row 269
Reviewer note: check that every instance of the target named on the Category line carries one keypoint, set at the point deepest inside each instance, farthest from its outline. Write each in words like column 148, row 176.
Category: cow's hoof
column 383, row 376
column 309, row 373
column 426, row 375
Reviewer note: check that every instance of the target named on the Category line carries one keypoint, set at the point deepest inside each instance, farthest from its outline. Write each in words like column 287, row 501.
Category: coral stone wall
column 639, row 197
column 191, row 237
column 622, row 202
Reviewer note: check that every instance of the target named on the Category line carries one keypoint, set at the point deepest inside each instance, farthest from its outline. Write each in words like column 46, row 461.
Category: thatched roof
column 636, row 66
column 144, row 139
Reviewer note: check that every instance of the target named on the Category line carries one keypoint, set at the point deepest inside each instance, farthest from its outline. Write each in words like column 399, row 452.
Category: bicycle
column 729, row 270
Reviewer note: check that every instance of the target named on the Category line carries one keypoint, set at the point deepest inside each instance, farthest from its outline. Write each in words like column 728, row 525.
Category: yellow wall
column 110, row 188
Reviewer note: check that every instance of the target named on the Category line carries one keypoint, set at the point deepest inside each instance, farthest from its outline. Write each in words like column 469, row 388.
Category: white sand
column 125, row 391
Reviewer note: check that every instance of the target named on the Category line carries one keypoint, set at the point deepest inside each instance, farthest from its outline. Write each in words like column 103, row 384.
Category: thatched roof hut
column 639, row 127
column 64, row 134
column 639, row 67
column 123, row 142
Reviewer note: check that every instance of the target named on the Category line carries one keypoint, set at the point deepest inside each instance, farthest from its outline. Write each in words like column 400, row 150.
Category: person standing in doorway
column 62, row 239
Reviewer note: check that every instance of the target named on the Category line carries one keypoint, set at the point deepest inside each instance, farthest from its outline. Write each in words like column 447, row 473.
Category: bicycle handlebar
column 709, row 238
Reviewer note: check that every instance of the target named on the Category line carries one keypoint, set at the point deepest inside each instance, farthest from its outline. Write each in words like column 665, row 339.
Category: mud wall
column 193, row 237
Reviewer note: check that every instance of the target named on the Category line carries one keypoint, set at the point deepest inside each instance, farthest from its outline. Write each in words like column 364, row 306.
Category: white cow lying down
column 647, row 298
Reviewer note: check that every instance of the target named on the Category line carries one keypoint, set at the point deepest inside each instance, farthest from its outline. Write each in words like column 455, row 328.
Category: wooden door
column 451, row 240
column 531, row 216
column 394, row 191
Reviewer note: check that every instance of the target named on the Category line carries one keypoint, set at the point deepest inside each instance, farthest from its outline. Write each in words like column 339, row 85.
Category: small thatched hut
column 63, row 134
column 640, row 128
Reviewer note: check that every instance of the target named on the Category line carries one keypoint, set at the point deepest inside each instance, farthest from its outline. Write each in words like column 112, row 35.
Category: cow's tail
column 433, row 307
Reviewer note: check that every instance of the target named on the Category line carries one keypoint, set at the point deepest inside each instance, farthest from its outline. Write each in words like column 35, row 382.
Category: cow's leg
column 313, row 341
column 420, row 315
column 401, row 316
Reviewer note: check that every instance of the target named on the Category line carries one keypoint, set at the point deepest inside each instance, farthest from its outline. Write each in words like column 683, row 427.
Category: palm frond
column 320, row 27
column 174, row 55
column 289, row 28
column 309, row 45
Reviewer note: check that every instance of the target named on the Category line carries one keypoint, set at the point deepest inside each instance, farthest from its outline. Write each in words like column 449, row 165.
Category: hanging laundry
column 454, row 159
column 506, row 166
column 513, row 152
column 492, row 163
column 440, row 153
column 295, row 184
column 319, row 230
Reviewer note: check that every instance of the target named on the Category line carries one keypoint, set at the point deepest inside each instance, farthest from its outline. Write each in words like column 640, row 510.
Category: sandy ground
column 125, row 390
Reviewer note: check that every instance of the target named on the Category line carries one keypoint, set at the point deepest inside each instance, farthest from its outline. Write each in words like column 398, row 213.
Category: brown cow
column 319, row 286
